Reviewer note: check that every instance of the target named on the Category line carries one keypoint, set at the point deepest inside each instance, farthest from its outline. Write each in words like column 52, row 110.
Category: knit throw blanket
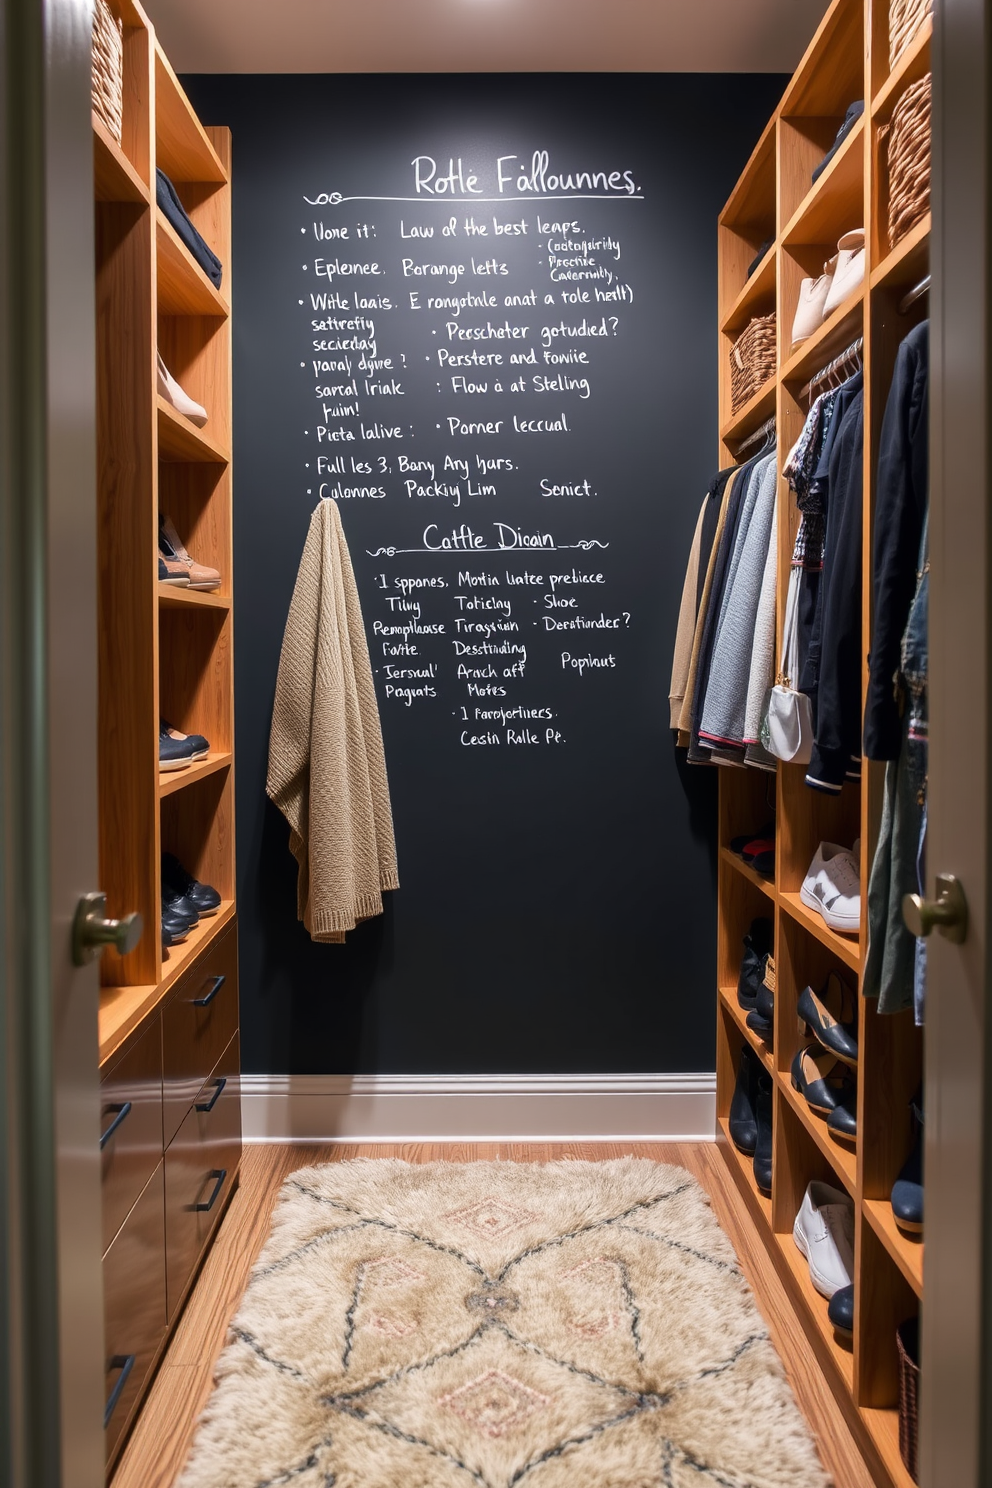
column 327, row 770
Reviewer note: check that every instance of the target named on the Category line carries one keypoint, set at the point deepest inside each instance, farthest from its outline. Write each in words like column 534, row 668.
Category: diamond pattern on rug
column 570, row 1325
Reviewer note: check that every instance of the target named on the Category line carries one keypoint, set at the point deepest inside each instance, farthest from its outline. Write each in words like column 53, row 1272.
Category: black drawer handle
column 218, row 982
column 220, row 1174
column 122, row 1111
column 125, row 1363
column 209, row 1105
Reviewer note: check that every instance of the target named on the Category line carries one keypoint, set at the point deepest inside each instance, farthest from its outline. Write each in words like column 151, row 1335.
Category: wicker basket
column 752, row 360
column 905, row 19
column 908, row 1345
column 108, row 68
column 909, row 160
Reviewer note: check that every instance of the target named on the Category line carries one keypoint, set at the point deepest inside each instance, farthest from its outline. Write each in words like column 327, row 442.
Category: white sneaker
column 824, row 1232
column 179, row 399
column 833, row 887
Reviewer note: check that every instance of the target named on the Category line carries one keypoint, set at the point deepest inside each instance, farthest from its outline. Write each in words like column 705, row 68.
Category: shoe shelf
column 183, row 287
column 905, row 265
column 844, row 947
column 760, row 882
column 761, row 1205
column 905, row 1250
column 757, row 297
column 171, row 781
column 728, row 996
column 836, row 196
column 883, row 1427
column 170, row 596
column 115, row 179
column 910, row 67
column 842, row 1159
column 184, row 149
column 815, row 1306
column 180, row 440
column 835, row 335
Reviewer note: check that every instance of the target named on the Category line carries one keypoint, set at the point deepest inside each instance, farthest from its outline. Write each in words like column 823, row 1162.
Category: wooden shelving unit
column 776, row 199
column 164, row 652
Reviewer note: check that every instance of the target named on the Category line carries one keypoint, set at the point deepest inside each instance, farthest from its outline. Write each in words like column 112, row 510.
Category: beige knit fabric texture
column 489, row 1325
column 327, row 769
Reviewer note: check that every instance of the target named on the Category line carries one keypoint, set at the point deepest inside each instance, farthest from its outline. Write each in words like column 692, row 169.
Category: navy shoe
column 820, row 1080
column 203, row 897
column 854, row 112
column 832, row 1017
column 743, row 1123
column 843, row 1119
column 907, row 1192
column 193, row 746
column 757, row 944
column 762, row 1164
column 174, row 753
column 762, row 1020
column 176, row 927
column 841, row 1311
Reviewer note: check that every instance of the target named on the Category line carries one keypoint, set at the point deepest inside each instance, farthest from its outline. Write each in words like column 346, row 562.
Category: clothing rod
column 853, row 350
column 768, row 427
column 916, row 293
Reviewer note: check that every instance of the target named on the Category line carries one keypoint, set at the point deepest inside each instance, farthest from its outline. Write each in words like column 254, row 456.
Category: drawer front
column 200, row 1167
column 134, row 1307
column 198, row 1023
column 130, row 1127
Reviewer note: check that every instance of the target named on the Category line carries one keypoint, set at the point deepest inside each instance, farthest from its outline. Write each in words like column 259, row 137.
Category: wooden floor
column 161, row 1438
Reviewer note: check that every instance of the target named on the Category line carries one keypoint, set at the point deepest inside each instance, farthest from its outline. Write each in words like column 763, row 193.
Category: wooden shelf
column 179, row 440
column 756, row 298
column 907, row 262
column 183, row 287
column 123, row 1008
column 841, row 1158
column 171, row 781
column 911, row 66
column 115, row 179
column 821, row 84
column 816, row 1306
column 174, row 596
column 844, row 947
column 883, row 1428
column 765, row 885
column 833, row 337
column 728, row 996
column 751, row 208
column 744, row 1172
column 904, row 1250
column 835, row 202
column 182, row 147
column 753, row 413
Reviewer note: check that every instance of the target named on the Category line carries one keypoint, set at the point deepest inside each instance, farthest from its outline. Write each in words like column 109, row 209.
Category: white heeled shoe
column 180, row 401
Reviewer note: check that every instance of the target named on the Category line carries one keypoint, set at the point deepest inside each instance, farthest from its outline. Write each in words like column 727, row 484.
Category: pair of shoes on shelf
column 761, row 1019
column 907, row 1191
column 821, row 1071
column 854, row 112
column 833, row 886
column 819, row 298
column 184, row 901
column 757, row 948
column 178, row 398
column 824, row 1233
column 757, row 849
column 176, row 751
column 750, row 1120
column 175, row 566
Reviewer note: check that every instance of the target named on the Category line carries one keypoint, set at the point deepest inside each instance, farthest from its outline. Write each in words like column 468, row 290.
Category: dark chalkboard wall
column 518, row 466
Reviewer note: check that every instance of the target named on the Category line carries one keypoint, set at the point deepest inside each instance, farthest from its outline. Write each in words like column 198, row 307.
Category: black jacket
column 901, row 491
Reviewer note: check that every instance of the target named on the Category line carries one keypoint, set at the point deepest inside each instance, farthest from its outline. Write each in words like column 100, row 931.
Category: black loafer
column 843, row 1119
column 762, row 1164
column 203, row 897
column 907, row 1192
column 832, row 1017
column 762, row 1020
column 176, row 928
column 742, row 1123
column 757, row 944
column 818, row 1077
column 841, row 1310
column 179, row 907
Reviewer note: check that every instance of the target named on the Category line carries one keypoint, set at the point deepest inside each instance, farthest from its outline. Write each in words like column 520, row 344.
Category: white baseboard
column 468, row 1108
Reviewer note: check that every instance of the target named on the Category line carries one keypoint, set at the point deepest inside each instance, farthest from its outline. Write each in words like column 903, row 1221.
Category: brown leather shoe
column 172, row 550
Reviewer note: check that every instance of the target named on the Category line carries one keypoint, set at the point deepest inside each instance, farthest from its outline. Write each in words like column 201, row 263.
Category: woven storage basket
column 905, row 19
column 108, row 68
column 752, row 359
column 909, row 160
column 908, row 1345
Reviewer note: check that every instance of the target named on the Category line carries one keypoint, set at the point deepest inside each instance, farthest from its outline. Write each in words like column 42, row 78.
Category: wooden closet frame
column 847, row 59
column 168, row 1043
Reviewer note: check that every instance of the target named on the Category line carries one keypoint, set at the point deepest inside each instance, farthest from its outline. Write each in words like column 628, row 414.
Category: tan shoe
column 172, row 550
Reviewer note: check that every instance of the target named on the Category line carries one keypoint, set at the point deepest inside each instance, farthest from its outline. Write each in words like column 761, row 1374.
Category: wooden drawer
column 131, row 1127
column 201, row 1164
column 134, row 1306
column 198, row 1023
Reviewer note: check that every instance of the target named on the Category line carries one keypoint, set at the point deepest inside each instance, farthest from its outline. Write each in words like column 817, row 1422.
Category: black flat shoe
column 907, row 1192
column 757, row 944
column 742, row 1122
column 818, row 1077
column 175, row 878
column 762, row 1164
column 832, row 1017
column 762, row 1020
column 842, row 1122
column 841, row 1311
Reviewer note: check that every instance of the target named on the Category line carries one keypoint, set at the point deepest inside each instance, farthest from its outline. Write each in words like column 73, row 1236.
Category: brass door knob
column 948, row 912
column 91, row 931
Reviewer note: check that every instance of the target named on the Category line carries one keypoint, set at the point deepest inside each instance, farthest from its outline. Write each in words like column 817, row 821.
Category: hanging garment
column 725, row 704
column 327, row 770
column 901, row 497
column 685, row 716
column 173, row 209
column 692, row 590
column 762, row 673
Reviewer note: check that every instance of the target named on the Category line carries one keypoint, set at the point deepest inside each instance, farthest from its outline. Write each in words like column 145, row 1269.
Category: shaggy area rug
column 561, row 1325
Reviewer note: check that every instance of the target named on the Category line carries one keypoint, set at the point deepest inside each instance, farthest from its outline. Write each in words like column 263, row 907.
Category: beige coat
column 327, row 770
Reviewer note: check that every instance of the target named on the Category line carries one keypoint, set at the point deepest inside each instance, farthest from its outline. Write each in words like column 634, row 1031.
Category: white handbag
column 809, row 311
column 850, row 270
column 787, row 727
